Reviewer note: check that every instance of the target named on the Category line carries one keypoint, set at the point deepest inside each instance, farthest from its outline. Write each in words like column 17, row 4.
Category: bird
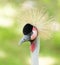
column 36, row 25
column 31, row 34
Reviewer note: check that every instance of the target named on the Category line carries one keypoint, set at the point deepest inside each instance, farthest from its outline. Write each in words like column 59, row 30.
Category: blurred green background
column 11, row 33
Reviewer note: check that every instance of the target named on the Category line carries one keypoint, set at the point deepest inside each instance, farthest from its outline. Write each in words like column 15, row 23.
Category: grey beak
column 25, row 38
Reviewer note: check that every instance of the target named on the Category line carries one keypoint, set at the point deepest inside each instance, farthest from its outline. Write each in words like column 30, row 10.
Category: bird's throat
column 32, row 46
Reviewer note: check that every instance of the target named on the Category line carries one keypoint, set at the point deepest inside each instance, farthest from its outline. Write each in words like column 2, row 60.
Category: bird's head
column 30, row 33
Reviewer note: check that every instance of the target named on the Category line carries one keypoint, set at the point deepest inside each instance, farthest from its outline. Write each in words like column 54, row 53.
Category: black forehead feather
column 27, row 29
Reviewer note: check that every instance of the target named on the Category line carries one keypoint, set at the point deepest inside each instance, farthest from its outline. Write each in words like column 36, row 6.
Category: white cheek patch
column 34, row 34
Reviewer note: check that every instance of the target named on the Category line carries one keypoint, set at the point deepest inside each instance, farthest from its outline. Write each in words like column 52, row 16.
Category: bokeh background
column 11, row 33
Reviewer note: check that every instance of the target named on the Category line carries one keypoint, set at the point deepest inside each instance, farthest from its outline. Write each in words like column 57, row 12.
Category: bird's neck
column 34, row 52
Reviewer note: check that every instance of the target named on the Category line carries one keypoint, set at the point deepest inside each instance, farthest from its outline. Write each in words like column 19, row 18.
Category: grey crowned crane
column 38, row 25
column 31, row 34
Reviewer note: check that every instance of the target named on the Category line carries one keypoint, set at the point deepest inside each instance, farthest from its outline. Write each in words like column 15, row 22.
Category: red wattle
column 32, row 47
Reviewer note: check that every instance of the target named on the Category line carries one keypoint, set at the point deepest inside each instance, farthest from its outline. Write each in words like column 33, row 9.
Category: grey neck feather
column 35, row 54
